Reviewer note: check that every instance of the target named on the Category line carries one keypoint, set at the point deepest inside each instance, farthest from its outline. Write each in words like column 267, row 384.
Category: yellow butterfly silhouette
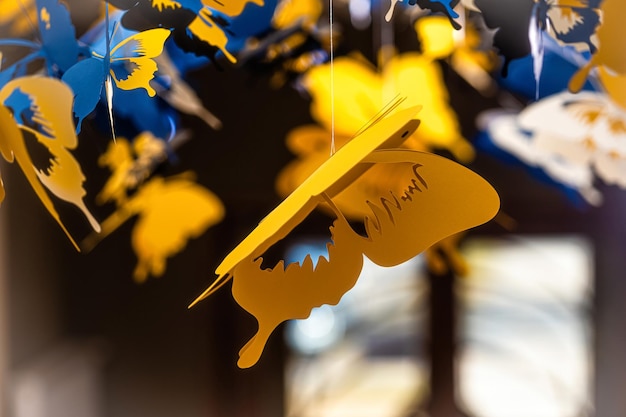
column 440, row 198
column 40, row 109
column 171, row 210
column 360, row 90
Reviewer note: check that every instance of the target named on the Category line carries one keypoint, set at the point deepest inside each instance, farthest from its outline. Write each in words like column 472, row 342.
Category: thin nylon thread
column 332, row 80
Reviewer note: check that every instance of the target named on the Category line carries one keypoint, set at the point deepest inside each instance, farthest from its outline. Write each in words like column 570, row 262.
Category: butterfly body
column 129, row 64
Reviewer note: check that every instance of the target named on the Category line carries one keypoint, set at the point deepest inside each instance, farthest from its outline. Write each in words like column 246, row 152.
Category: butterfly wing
column 171, row 211
column 574, row 21
column 86, row 79
column 47, row 117
column 132, row 60
column 57, row 34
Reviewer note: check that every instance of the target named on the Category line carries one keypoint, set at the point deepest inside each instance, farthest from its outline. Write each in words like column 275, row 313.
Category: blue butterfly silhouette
column 58, row 47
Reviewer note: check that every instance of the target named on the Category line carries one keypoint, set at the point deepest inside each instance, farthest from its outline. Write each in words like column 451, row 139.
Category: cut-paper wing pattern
column 439, row 198
column 198, row 25
column 129, row 64
column 36, row 111
column 571, row 137
column 610, row 55
column 171, row 210
column 294, row 45
column 569, row 21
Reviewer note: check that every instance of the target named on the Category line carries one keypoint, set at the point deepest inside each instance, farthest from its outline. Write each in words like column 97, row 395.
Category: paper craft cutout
column 520, row 24
column 311, row 145
column 440, row 198
column 568, row 21
column 438, row 6
column 181, row 96
column 360, row 89
column 58, row 35
column 129, row 64
column 294, row 45
column 610, row 53
column 465, row 54
column 570, row 136
column 197, row 24
column 39, row 109
column 171, row 210
column 58, row 46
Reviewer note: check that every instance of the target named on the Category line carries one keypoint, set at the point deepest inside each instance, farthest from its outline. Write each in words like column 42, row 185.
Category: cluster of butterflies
column 131, row 65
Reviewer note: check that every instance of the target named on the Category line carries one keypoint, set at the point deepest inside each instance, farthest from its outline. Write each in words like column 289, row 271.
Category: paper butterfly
column 197, row 25
column 440, row 198
column 571, row 137
column 129, row 64
column 520, row 23
column 37, row 111
column 171, row 210
column 59, row 47
column 360, row 89
column 569, row 21
column 293, row 46
column 311, row 144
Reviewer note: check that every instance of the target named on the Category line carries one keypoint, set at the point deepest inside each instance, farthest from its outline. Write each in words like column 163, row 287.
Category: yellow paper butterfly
column 39, row 109
column 171, row 210
column 439, row 198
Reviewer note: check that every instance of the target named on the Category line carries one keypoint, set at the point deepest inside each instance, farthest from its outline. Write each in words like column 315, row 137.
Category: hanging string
column 332, row 80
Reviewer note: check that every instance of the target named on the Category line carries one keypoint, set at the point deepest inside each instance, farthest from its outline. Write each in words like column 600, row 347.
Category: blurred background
column 535, row 329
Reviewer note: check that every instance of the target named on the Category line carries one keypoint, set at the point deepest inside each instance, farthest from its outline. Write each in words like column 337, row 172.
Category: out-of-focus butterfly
column 440, row 198
column 360, row 90
column 59, row 47
column 520, row 23
column 198, row 26
column 171, row 210
column 570, row 22
column 610, row 56
column 570, row 137
column 36, row 112
column 294, row 45
column 438, row 6
column 129, row 64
